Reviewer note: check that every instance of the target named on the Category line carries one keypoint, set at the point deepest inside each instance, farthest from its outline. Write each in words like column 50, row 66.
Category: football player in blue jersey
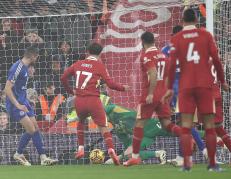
column 20, row 110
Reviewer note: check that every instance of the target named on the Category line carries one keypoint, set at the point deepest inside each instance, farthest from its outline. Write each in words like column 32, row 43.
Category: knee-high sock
column 80, row 133
column 211, row 141
column 137, row 138
column 224, row 136
column 173, row 128
column 38, row 143
column 186, row 145
column 108, row 140
column 25, row 138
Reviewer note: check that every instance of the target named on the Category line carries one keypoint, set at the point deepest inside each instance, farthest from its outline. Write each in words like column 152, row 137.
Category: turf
column 109, row 172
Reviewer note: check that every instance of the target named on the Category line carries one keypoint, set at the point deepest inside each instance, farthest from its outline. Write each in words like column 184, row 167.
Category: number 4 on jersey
column 88, row 77
column 192, row 55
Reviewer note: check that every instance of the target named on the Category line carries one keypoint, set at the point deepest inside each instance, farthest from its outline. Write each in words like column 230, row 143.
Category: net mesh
column 62, row 30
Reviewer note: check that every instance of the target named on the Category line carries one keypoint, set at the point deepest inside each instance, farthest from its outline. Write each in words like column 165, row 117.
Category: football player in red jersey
column 193, row 48
column 154, row 66
column 219, row 111
column 87, row 74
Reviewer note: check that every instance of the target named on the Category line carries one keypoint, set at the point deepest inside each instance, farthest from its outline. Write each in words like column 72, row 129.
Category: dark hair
column 176, row 29
column 189, row 15
column 147, row 38
column 30, row 51
column 95, row 49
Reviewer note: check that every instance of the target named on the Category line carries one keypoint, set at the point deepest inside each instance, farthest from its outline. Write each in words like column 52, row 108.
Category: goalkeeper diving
column 123, row 120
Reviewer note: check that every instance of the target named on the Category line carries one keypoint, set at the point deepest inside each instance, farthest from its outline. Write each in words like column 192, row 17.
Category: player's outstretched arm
column 9, row 93
column 65, row 79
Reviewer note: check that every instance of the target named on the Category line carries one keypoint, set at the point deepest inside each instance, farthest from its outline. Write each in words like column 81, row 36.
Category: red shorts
column 145, row 111
column 218, row 115
column 200, row 98
column 91, row 106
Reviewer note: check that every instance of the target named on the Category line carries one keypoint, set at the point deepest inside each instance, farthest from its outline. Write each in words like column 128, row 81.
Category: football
column 96, row 156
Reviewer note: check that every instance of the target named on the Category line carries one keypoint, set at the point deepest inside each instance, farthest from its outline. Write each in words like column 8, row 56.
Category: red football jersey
column 153, row 58
column 88, row 74
column 193, row 48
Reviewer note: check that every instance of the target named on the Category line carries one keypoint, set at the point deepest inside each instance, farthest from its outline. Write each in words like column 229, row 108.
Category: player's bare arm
column 152, row 76
column 9, row 93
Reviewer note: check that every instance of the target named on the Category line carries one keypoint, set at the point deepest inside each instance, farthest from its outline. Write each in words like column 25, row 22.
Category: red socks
column 173, row 128
column 186, row 145
column 137, row 138
column 224, row 136
column 211, row 141
column 80, row 133
column 108, row 140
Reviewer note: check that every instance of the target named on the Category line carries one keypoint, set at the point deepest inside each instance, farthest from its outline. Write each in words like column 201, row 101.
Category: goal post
column 210, row 17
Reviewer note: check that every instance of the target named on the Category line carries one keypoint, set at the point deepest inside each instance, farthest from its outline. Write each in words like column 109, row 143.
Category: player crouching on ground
column 87, row 73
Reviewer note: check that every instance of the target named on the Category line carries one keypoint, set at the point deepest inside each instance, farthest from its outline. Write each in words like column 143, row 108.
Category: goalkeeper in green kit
column 123, row 120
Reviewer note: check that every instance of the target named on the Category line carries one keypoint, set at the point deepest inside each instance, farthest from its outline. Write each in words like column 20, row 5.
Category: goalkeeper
column 123, row 120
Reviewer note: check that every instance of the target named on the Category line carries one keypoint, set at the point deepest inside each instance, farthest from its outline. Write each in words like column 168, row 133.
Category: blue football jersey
column 166, row 51
column 18, row 74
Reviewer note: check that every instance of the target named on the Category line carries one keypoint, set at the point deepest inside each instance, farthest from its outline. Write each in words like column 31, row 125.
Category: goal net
column 62, row 30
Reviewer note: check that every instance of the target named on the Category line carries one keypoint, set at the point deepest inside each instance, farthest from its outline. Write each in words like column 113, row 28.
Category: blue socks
column 38, row 143
column 25, row 138
column 198, row 140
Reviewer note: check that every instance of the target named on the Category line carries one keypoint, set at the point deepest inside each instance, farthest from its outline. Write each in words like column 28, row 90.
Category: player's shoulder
column 17, row 66
column 150, row 52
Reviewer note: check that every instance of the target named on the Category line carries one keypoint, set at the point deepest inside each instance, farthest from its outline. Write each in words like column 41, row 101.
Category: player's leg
column 147, row 154
column 206, row 108
column 99, row 117
column 38, row 143
column 144, row 112
column 187, row 106
column 164, row 113
column 81, row 110
column 178, row 161
column 219, row 125
column 80, row 138
column 223, row 134
column 24, row 140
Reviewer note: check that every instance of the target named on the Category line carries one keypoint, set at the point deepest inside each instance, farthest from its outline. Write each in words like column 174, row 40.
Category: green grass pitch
column 110, row 172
